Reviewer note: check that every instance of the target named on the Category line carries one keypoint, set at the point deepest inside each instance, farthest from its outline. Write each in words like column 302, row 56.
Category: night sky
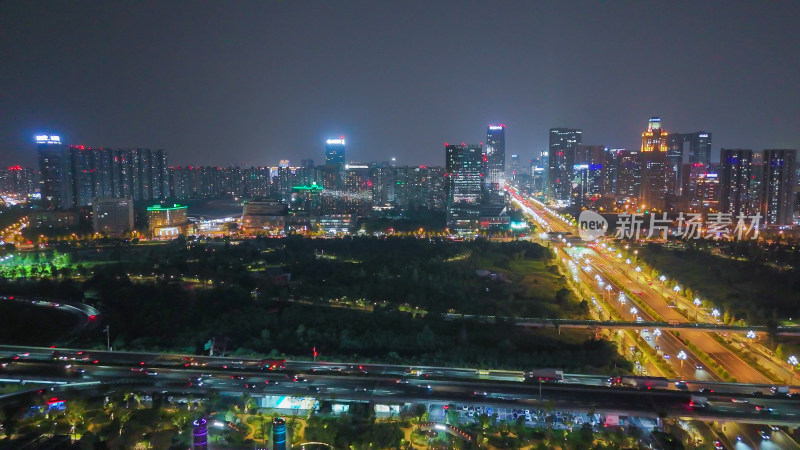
column 252, row 82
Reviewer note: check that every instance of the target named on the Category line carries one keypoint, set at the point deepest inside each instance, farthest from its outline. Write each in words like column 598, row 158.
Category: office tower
column 687, row 147
column 629, row 177
column 495, row 166
column 699, row 147
column 563, row 145
column 278, row 434
column 515, row 168
column 778, row 179
column 112, row 216
column 676, row 151
column 656, row 173
column 334, row 152
column 52, row 167
column 736, row 175
column 464, row 169
column 610, row 171
column 495, row 151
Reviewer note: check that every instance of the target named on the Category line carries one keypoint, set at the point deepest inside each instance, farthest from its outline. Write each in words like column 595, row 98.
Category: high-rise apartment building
column 564, row 143
column 18, row 181
column 778, row 180
column 74, row 175
column 737, row 177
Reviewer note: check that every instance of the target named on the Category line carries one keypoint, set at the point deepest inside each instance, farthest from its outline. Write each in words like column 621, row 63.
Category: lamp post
column 751, row 334
column 715, row 313
column 656, row 333
column 682, row 356
column 108, row 338
column 697, row 302
column 608, row 290
column 792, row 362
column 634, row 311
column 638, row 273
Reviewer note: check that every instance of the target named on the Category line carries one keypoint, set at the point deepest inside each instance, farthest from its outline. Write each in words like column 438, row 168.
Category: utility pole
column 108, row 338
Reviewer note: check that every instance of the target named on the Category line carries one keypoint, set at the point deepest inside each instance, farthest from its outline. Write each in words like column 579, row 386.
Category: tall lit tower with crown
column 656, row 170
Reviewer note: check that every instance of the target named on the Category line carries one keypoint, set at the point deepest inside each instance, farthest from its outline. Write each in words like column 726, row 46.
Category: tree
column 76, row 412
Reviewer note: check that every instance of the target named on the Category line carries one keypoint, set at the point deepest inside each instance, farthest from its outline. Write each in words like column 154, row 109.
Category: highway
column 386, row 383
column 607, row 265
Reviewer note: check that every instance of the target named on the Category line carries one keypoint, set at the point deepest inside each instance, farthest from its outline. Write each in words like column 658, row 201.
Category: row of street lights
column 793, row 360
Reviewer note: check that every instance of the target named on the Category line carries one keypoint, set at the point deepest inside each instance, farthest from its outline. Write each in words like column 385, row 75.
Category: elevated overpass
column 591, row 324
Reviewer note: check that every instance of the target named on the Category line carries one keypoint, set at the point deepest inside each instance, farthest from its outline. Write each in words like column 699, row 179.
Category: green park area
column 371, row 299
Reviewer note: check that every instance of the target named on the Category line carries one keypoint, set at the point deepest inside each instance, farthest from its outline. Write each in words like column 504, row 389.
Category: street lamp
column 638, row 273
column 619, row 255
column 627, row 261
column 793, row 360
column 677, row 288
column 608, row 289
column 682, row 356
column 663, row 278
column 715, row 313
column 656, row 333
column 697, row 302
column 634, row 311
column 751, row 334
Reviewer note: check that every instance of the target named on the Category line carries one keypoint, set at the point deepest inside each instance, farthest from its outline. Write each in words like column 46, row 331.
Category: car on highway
column 774, row 428
column 151, row 373
column 718, row 445
column 764, row 434
column 698, row 367
column 739, row 400
column 360, row 389
column 763, row 409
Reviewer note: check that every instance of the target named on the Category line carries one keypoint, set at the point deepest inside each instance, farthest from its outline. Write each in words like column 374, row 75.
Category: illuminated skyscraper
column 334, row 152
column 53, row 165
column 563, row 146
column 464, row 171
column 736, row 180
column 495, row 163
column 778, row 179
column 629, row 176
column 656, row 173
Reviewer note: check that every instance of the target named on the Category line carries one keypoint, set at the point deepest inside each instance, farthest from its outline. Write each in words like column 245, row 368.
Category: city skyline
column 386, row 86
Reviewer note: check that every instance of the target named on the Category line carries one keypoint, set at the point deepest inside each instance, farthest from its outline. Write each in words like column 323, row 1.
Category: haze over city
column 251, row 83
